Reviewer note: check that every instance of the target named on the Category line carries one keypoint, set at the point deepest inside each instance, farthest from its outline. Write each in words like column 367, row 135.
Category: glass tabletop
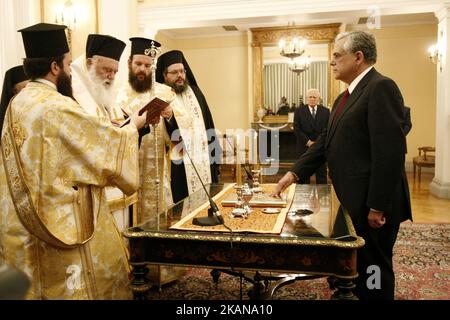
column 313, row 214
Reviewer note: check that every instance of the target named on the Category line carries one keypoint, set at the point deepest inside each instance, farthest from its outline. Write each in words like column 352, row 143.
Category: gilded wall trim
column 270, row 36
column 265, row 37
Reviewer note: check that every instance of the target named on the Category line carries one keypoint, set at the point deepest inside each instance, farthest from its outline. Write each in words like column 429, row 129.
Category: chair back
column 426, row 150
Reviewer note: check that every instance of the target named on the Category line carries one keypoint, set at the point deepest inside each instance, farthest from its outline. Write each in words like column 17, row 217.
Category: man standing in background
column 309, row 121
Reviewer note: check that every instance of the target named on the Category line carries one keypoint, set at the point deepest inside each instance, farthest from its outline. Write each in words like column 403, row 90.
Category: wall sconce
column 69, row 14
column 434, row 54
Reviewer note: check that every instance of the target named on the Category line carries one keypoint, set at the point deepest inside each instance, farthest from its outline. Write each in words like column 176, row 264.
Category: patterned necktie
column 313, row 112
column 341, row 105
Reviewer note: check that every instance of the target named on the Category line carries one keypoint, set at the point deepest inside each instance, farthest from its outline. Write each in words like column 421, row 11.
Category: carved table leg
column 258, row 291
column 215, row 274
column 332, row 282
column 344, row 289
column 139, row 282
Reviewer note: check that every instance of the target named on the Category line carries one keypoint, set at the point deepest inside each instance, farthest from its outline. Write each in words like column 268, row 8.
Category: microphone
column 214, row 217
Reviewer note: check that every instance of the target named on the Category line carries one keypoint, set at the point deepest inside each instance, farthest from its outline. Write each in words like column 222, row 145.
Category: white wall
column 15, row 15
column 117, row 18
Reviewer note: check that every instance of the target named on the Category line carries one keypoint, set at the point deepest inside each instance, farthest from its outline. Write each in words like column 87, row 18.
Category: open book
column 153, row 108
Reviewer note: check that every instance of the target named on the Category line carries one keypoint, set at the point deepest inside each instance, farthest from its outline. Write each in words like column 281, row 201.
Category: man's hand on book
column 139, row 120
column 151, row 120
column 167, row 113
column 149, row 114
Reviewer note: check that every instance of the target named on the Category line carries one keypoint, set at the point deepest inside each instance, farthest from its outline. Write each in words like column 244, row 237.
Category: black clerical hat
column 12, row 77
column 169, row 58
column 105, row 46
column 16, row 74
column 142, row 45
column 44, row 40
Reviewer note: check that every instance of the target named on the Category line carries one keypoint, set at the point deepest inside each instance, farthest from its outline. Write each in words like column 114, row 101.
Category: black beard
column 139, row 85
column 180, row 88
column 64, row 85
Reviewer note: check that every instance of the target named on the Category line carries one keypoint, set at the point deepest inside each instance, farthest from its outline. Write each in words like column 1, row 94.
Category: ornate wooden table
column 323, row 243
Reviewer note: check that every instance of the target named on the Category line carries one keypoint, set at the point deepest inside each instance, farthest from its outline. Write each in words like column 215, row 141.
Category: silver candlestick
column 256, row 185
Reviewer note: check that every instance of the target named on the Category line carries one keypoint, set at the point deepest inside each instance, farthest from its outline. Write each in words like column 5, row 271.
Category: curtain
column 14, row 15
column 279, row 82
column 7, row 36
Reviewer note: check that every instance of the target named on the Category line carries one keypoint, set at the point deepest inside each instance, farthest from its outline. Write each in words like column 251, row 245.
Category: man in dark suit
column 407, row 124
column 364, row 145
column 309, row 121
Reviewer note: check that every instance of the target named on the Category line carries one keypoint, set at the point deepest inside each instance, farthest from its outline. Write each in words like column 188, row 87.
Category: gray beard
column 102, row 95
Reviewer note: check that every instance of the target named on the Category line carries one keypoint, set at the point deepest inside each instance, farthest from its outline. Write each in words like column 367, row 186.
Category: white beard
column 103, row 94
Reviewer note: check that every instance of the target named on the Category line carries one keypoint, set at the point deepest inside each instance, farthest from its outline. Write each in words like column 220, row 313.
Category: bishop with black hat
column 94, row 76
column 56, row 161
column 154, row 193
column 133, row 95
column 94, row 83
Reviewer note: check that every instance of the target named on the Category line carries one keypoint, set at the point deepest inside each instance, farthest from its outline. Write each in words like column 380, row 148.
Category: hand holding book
column 153, row 109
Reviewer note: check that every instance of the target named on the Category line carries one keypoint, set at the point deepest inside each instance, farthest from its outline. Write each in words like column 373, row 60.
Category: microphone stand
column 214, row 217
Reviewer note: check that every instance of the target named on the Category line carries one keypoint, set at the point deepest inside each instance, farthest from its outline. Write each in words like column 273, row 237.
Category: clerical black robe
column 178, row 173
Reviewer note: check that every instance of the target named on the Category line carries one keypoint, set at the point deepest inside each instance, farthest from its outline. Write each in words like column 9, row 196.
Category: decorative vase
column 260, row 113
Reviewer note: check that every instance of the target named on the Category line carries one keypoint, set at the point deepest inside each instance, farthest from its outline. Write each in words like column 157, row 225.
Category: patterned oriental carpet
column 421, row 262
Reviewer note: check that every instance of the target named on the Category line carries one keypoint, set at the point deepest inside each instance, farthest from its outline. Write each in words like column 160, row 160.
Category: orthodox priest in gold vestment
column 154, row 161
column 93, row 82
column 56, row 160
column 132, row 96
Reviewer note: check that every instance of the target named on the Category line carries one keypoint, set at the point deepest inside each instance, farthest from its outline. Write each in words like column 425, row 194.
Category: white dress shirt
column 355, row 82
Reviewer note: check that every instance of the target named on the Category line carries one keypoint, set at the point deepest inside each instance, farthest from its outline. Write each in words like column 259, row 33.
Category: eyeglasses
column 176, row 72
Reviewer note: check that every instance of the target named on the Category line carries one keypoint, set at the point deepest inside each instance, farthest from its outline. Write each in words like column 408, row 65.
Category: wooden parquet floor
column 426, row 207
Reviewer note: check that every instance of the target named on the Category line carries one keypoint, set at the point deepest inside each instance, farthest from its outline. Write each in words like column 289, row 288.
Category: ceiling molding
column 219, row 12
column 443, row 12
column 272, row 35
column 170, row 34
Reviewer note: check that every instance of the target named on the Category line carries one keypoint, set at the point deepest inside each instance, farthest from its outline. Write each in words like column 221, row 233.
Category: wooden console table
column 323, row 243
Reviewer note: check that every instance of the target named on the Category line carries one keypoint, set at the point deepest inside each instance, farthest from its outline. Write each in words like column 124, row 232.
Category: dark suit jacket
column 365, row 151
column 284, row 110
column 407, row 125
column 308, row 128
